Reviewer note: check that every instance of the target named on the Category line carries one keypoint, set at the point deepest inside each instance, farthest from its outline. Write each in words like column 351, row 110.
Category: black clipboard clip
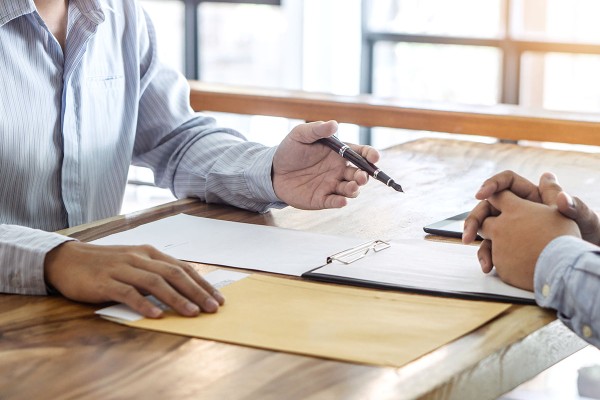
column 356, row 253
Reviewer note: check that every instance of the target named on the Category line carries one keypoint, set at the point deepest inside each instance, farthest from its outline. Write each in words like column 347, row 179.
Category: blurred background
column 536, row 53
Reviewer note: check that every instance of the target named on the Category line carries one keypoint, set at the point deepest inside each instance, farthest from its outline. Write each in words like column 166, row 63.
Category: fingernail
column 210, row 305
column 192, row 309
column 570, row 201
column 482, row 264
column 155, row 312
column 219, row 297
column 480, row 191
column 463, row 236
column 550, row 176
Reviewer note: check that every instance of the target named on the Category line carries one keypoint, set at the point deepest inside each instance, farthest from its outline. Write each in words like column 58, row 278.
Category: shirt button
column 546, row 290
column 587, row 331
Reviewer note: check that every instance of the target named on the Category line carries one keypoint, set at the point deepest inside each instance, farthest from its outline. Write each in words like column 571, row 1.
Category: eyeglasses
column 356, row 253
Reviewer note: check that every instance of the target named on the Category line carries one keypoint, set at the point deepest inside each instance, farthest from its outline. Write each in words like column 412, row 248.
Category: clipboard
column 415, row 265
column 427, row 267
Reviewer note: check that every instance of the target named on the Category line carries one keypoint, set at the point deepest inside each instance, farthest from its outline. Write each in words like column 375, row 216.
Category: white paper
column 426, row 265
column 121, row 312
column 235, row 244
column 414, row 263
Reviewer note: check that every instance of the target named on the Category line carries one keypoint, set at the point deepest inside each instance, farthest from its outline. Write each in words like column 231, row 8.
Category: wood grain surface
column 51, row 348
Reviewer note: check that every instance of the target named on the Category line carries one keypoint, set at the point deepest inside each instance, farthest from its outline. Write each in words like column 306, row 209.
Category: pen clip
column 356, row 253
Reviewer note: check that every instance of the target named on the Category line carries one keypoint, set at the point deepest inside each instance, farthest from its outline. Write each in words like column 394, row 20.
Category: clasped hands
column 304, row 175
column 517, row 219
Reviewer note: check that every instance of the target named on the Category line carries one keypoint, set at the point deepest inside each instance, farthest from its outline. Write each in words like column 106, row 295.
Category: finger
column 508, row 180
column 549, row 188
column 218, row 296
column 335, row 201
column 369, row 153
column 348, row 189
column 356, row 175
column 127, row 294
column 566, row 206
column 587, row 220
column 484, row 254
column 155, row 284
column 504, row 200
column 313, row 131
column 475, row 219
column 191, row 272
column 183, row 284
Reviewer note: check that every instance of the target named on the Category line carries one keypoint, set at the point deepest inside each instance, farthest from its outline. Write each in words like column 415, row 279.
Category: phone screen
column 451, row 227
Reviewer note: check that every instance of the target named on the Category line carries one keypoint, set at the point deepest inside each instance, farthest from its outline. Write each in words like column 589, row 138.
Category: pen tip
column 397, row 187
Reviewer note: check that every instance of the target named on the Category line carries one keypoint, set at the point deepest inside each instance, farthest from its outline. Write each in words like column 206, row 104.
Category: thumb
column 586, row 219
column 566, row 206
column 313, row 131
column 549, row 188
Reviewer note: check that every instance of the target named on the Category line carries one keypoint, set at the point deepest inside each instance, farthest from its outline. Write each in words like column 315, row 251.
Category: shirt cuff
column 554, row 266
column 23, row 254
column 260, row 182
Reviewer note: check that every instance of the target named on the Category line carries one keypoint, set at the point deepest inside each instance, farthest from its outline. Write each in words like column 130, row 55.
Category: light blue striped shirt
column 567, row 279
column 72, row 122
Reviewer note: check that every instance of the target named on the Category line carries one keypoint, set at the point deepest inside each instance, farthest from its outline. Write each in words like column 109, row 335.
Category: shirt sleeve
column 567, row 279
column 187, row 152
column 221, row 171
column 22, row 254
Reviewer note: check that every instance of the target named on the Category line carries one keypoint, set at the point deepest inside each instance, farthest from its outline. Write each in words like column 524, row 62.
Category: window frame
column 511, row 49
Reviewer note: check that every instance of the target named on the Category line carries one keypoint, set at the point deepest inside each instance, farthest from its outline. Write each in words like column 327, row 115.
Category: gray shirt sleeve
column 23, row 253
column 567, row 279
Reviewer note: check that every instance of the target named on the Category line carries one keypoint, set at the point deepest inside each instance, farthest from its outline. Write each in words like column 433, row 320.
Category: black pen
column 345, row 151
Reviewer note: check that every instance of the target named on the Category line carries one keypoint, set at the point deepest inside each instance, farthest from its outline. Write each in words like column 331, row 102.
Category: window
column 537, row 53
column 509, row 51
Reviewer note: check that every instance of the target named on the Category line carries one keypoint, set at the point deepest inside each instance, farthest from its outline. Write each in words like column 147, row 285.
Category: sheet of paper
column 337, row 322
column 122, row 313
column 426, row 265
column 235, row 244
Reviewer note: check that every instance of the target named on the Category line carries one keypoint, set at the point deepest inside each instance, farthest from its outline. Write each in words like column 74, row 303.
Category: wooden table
column 54, row 348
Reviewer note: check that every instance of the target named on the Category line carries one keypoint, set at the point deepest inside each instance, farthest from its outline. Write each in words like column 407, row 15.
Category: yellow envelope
column 337, row 322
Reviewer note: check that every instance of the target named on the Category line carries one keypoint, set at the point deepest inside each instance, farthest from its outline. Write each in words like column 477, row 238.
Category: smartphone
column 451, row 227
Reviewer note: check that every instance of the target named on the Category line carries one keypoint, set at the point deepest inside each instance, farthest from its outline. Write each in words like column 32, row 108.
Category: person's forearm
column 567, row 279
column 215, row 166
column 240, row 175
